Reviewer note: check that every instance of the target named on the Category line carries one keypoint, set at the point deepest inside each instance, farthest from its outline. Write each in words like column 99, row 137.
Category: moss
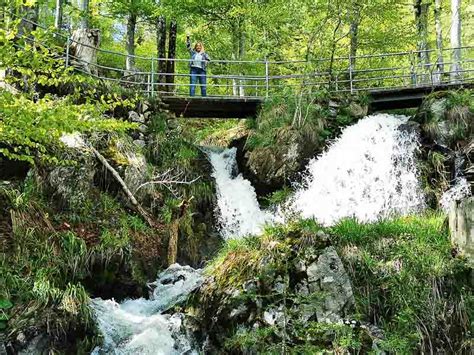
column 405, row 281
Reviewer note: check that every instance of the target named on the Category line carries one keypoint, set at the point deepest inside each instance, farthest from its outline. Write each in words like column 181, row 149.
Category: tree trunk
column 161, row 47
column 29, row 19
column 84, row 44
column 238, row 49
column 242, row 41
column 84, row 8
column 173, row 242
column 171, row 55
column 131, row 27
column 421, row 19
column 354, row 32
column 455, row 40
column 439, row 41
column 58, row 14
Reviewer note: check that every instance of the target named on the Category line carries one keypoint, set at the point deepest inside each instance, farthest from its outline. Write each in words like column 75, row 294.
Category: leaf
column 5, row 304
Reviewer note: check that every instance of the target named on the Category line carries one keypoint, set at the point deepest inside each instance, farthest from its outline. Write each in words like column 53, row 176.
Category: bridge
column 237, row 88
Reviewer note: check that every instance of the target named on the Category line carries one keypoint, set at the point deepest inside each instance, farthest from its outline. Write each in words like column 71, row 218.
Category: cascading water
column 368, row 173
column 139, row 326
column 457, row 192
column 239, row 212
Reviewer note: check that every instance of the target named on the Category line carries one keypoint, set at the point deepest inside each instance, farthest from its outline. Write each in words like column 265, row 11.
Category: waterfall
column 368, row 173
column 140, row 326
column 239, row 213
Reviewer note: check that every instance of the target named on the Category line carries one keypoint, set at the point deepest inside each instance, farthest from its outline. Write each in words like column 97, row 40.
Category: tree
column 58, row 14
column 132, row 11
column 421, row 20
column 455, row 40
column 84, row 8
column 439, row 40
column 161, row 46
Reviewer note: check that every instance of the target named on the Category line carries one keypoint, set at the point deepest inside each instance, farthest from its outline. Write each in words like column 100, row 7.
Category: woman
column 198, row 64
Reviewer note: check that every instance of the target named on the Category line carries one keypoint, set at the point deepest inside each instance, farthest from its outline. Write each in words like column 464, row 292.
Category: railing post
column 68, row 45
column 152, row 77
column 350, row 74
column 267, row 79
column 414, row 80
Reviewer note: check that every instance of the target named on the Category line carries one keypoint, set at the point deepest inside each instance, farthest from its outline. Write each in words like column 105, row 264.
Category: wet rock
column 175, row 284
column 238, row 312
column 72, row 185
column 273, row 316
column 37, row 345
column 134, row 116
column 141, row 143
column 358, row 110
column 145, row 106
column 143, row 128
column 461, row 225
column 147, row 116
column 328, row 276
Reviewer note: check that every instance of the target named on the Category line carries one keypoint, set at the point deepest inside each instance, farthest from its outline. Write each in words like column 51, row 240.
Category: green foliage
column 397, row 268
column 405, row 281
column 278, row 197
column 30, row 130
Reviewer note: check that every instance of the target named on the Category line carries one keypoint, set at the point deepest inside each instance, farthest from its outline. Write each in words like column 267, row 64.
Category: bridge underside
column 407, row 97
column 213, row 107
column 245, row 107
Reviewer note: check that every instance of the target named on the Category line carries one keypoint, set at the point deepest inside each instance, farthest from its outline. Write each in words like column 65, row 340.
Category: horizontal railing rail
column 264, row 77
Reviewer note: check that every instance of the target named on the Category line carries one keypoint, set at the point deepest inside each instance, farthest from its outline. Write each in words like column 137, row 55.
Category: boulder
column 328, row 276
column 461, row 226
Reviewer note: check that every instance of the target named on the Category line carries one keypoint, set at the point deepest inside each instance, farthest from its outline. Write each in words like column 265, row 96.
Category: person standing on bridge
column 198, row 66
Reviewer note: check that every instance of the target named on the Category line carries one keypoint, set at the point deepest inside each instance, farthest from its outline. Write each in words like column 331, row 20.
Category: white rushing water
column 139, row 326
column 368, row 173
column 457, row 192
column 239, row 213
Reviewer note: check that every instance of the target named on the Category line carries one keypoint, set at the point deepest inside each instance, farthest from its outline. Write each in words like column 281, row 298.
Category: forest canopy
column 256, row 29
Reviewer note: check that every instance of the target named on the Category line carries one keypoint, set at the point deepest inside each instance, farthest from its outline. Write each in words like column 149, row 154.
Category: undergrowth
column 53, row 260
column 405, row 280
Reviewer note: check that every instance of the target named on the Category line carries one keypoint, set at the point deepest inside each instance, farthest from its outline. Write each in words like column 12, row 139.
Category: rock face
column 274, row 165
column 461, row 225
column 310, row 285
column 446, row 126
column 327, row 276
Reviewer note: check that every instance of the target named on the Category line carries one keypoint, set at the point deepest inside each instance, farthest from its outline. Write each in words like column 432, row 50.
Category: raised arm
column 188, row 45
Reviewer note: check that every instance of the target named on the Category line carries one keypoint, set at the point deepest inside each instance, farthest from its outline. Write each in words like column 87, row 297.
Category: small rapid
column 239, row 213
column 141, row 326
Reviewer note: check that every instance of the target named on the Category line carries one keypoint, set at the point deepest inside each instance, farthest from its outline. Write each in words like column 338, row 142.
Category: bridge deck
column 246, row 107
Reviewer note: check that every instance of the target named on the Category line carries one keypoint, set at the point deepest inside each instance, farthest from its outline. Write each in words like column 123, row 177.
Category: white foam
column 239, row 213
column 368, row 173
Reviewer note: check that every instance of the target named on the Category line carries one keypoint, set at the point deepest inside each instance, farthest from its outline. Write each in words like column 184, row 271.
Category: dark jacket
column 205, row 56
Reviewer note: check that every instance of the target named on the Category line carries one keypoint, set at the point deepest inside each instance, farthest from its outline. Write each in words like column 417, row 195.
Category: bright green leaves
column 5, row 305
column 31, row 130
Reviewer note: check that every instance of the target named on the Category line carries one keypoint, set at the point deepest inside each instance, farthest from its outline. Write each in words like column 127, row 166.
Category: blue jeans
column 198, row 74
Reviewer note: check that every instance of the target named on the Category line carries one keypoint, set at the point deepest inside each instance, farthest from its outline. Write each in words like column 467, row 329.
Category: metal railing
column 264, row 78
